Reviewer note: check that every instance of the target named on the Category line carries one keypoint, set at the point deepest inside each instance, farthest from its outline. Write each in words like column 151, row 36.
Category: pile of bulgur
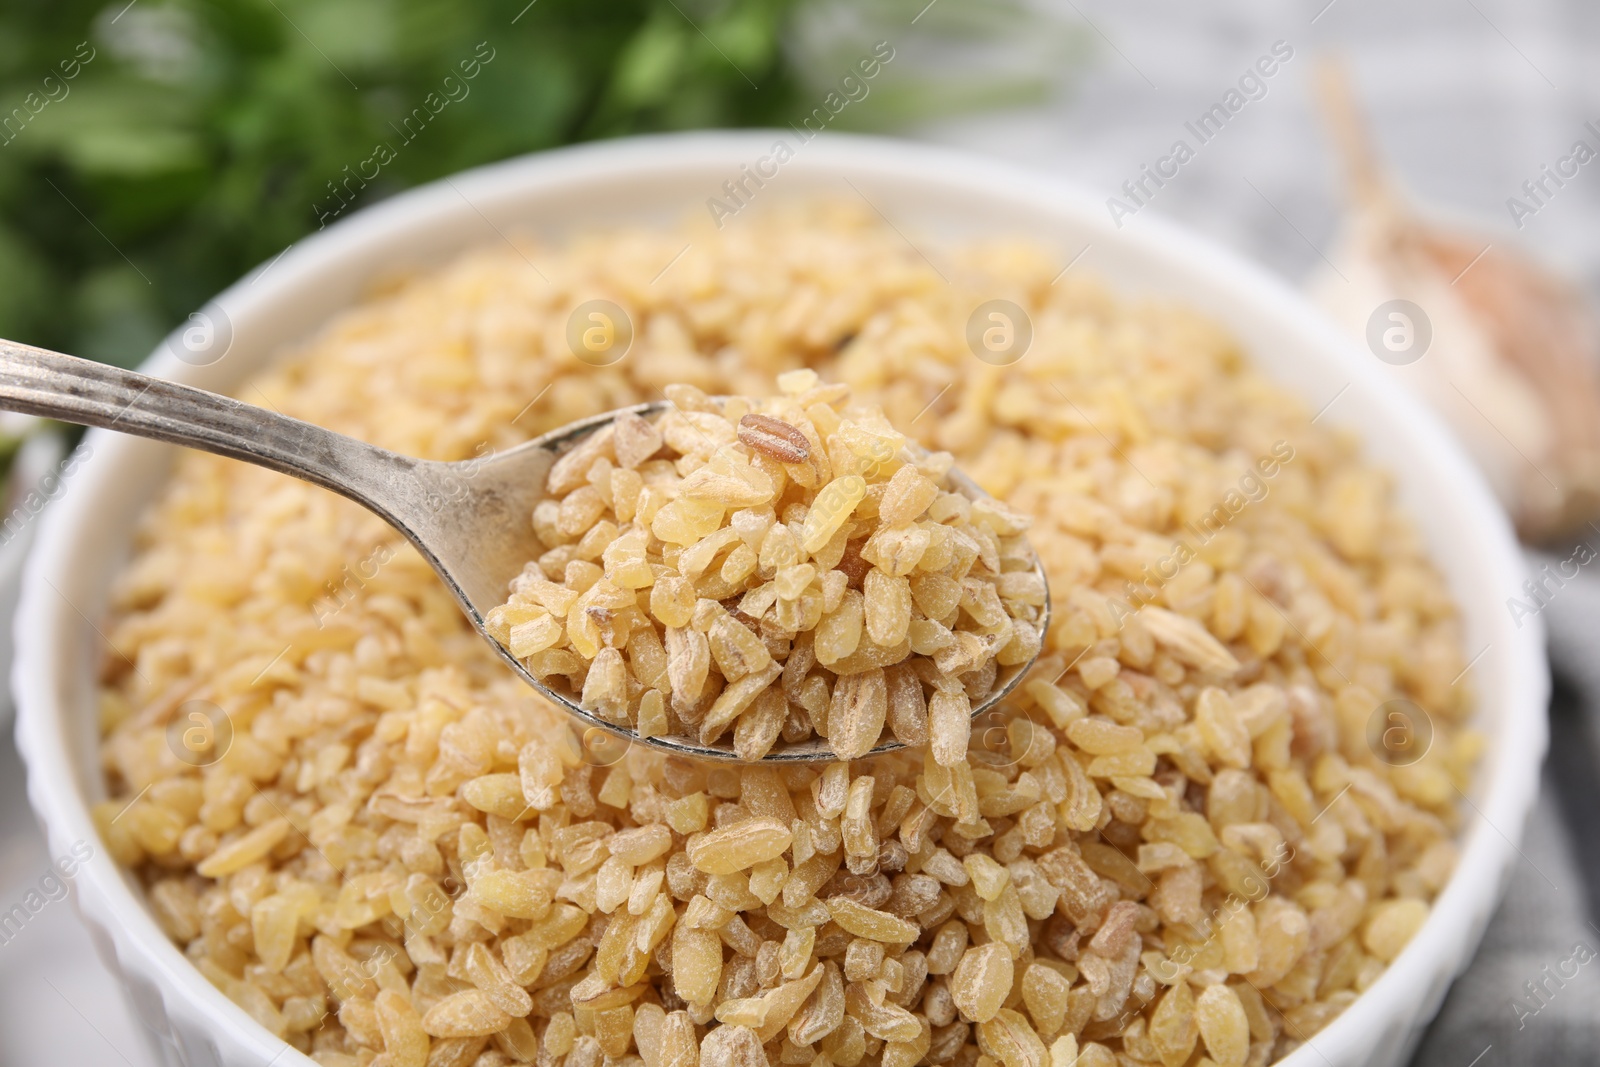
column 1177, row 840
column 791, row 566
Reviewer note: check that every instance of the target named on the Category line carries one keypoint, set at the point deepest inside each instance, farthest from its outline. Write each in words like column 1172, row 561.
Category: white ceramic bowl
column 35, row 474
column 85, row 537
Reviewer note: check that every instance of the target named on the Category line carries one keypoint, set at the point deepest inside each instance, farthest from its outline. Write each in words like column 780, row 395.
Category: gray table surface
column 1468, row 98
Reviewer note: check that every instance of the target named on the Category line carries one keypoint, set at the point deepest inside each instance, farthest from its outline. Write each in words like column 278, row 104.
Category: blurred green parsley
column 154, row 151
column 198, row 139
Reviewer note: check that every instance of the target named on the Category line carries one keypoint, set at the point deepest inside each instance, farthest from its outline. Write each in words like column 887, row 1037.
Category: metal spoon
column 470, row 520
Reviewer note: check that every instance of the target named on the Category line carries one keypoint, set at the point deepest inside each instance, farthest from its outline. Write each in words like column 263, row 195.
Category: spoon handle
column 40, row 382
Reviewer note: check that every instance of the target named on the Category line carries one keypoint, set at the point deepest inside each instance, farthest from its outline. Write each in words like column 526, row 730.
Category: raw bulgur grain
column 785, row 536
column 361, row 824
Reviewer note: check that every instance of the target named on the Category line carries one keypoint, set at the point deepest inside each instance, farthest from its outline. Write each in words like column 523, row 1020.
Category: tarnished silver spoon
column 471, row 520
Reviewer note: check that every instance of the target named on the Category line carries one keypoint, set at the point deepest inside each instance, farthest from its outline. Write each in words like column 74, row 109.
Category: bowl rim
column 133, row 940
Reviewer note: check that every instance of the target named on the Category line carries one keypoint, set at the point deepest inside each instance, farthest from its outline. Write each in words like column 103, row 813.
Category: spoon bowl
column 469, row 519
column 598, row 734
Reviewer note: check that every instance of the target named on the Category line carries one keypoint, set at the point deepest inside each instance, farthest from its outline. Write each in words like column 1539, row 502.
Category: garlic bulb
column 1502, row 348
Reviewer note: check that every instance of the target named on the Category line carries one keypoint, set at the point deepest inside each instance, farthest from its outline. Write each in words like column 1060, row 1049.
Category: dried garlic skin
column 790, row 537
column 1513, row 365
column 1503, row 347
